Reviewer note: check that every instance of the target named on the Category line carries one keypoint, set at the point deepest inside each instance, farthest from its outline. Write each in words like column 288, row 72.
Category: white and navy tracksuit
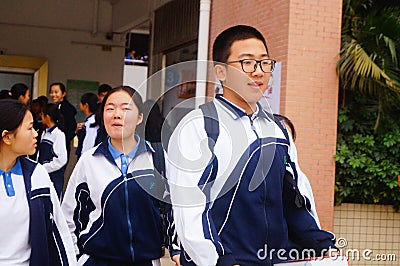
column 87, row 135
column 110, row 209
column 33, row 228
column 230, row 204
column 52, row 155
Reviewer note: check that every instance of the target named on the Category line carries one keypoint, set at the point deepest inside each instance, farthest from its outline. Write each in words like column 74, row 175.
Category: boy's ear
column 220, row 72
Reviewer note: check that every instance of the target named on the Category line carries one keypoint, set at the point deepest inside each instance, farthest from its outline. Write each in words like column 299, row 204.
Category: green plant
column 367, row 162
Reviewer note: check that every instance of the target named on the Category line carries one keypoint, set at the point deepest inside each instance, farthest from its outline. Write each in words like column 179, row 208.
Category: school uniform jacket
column 69, row 112
column 111, row 216
column 52, row 152
column 49, row 239
column 229, row 205
column 91, row 133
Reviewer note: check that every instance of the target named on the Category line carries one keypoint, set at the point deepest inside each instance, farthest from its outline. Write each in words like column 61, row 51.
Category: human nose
column 35, row 132
column 118, row 113
column 257, row 69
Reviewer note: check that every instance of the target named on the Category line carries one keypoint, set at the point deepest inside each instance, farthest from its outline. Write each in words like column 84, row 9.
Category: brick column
column 305, row 37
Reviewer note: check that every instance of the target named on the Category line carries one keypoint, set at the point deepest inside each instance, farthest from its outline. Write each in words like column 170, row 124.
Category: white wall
column 136, row 77
column 51, row 29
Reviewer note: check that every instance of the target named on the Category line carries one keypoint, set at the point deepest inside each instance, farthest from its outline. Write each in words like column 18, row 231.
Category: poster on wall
column 272, row 95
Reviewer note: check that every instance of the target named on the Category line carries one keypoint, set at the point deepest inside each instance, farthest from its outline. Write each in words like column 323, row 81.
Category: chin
column 115, row 136
column 31, row 152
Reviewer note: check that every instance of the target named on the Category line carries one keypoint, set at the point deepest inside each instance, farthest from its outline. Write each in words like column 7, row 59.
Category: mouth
column 256, row 85
column 117, row 125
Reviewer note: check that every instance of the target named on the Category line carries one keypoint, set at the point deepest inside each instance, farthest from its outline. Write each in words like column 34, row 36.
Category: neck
column 50, row 124
column 87, row 113
column 7, row 160
column 124, row 145
column 234, row 98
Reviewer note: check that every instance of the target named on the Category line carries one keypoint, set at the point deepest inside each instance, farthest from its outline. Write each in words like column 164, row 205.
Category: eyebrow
column 251, row 55
column 114, row 104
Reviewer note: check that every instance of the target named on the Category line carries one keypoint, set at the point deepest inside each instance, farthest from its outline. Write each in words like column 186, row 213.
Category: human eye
column 266, row 62
column 248, row 62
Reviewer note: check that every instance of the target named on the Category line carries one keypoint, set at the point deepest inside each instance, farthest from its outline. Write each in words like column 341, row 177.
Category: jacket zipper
column 265, row 186
column 128, row 219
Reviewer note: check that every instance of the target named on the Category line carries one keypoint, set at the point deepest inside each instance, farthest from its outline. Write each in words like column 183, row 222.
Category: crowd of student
column 127, row 198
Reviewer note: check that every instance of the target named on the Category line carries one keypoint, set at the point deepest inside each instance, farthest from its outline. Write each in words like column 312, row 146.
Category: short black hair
column 43, row 100
column 223, row 42
column 5, row 94
column 18, row 111
column 18, row 89
column 137, row 99
column 91, row 99
column 103, row 88
column 288, row 123
column 60, row 84
column 52, row 110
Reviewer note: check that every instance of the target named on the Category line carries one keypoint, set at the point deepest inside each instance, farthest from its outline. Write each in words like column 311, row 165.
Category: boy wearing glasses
column 233, row 185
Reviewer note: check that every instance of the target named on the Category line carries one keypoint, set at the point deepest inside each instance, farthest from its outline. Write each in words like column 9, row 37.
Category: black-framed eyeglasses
column 250, row 65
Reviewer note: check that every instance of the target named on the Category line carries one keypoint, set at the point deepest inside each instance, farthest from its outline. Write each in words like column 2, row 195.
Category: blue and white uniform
column 229, row 205
column 53, row 156
column 91, row 133
column 87, row 135
column 110, row 209
column 33, row 228
column 303, row 183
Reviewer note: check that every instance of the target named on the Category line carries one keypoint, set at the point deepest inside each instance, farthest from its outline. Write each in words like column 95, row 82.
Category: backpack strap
column 158, row 158
column 211, row 124
column 282, row 126
column 161, row 187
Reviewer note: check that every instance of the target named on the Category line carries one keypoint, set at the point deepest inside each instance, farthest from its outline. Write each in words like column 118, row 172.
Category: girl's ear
column 220, row 72
column 5, row 135
column 140, row 119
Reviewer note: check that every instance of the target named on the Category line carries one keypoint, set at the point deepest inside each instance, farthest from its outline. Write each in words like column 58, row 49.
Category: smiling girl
column 33, row 229
column 58, row 94
column 110, row 204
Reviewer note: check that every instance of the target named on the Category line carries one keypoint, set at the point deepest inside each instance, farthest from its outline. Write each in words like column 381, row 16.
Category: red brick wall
column 305, row 37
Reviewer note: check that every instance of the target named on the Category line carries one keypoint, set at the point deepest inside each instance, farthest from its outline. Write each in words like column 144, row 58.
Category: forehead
column 119, row 97
column 28, row 118
column 55, row 88
column 249, row 47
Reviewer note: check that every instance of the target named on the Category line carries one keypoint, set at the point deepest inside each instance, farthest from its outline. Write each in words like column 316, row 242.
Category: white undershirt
column 14, row 224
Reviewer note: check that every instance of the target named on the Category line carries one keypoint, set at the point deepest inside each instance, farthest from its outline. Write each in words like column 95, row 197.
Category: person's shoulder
column 40, row 177
column 191, row 119
column 66, row 104
column 58, row 131
column 90, row 154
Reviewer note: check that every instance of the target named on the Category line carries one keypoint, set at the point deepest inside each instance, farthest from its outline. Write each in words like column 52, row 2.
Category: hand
column 79, row 126
column 176, row 259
